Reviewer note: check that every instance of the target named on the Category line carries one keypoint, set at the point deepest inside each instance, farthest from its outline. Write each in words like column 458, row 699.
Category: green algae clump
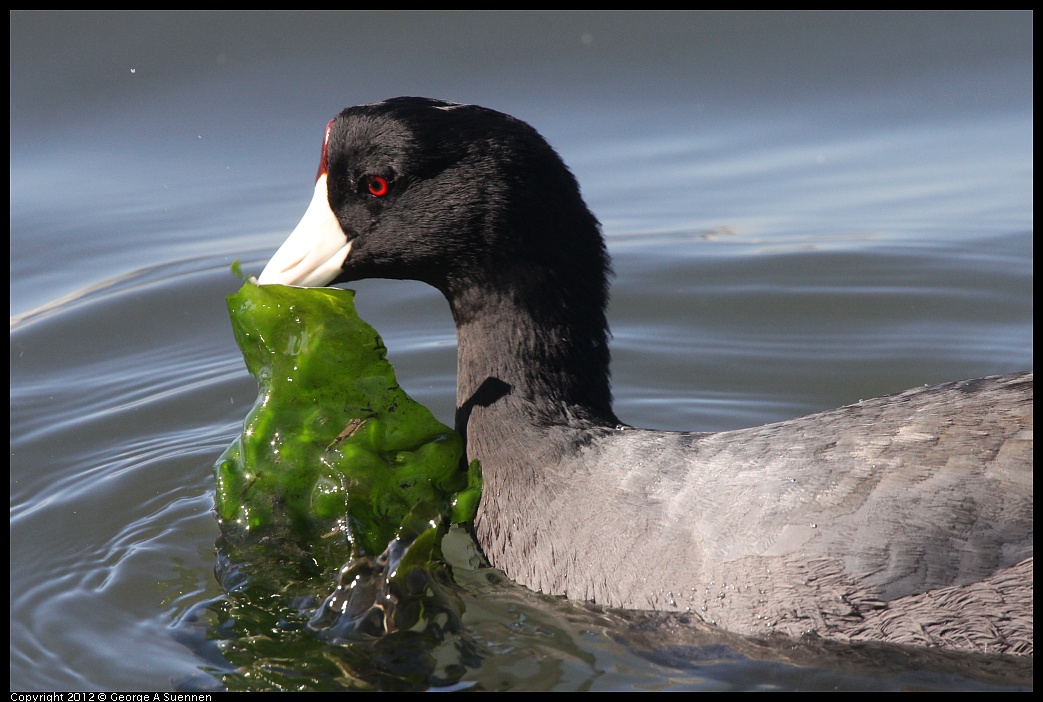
column 334, row 457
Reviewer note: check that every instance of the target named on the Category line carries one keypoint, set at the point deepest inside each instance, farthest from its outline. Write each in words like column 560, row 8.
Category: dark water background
column 803, row 210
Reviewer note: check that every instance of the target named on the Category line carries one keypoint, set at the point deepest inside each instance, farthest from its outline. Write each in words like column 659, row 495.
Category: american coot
column 905, row 519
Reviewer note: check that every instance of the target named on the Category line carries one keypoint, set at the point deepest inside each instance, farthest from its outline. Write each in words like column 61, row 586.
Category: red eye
column 377, row 186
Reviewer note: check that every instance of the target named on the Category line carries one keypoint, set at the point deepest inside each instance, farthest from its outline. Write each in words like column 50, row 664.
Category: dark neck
column 529, row 356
